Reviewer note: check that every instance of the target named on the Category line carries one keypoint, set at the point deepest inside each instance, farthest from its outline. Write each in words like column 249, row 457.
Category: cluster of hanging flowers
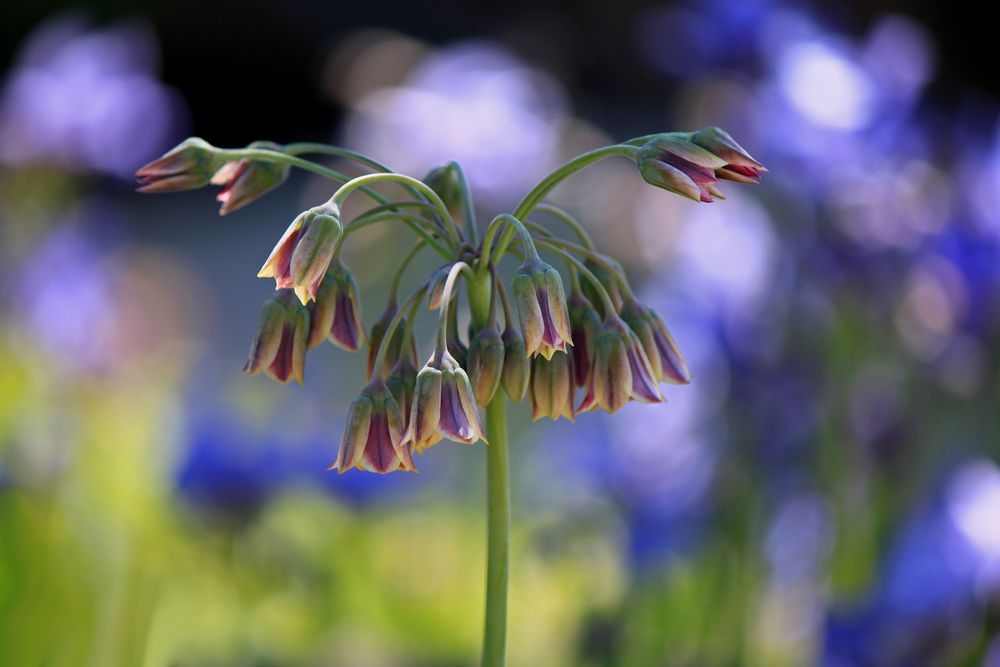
column 528, row 338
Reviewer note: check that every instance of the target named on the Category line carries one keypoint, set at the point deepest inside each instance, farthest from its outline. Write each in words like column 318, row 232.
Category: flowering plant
column 600, row 337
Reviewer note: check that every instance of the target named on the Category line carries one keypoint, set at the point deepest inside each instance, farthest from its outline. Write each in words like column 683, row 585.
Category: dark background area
column 213, row 50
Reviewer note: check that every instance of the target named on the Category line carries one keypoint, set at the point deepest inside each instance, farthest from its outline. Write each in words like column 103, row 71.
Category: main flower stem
column 497, row 498
column 498, row 533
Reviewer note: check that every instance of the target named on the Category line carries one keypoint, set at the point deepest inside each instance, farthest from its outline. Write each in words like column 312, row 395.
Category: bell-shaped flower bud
column 377, row 334
column 739, row 165
column 303, row 254
column 245, row 180
column 552, row 387
column 486, row 362
column 279, row 348
column 337, row 311
column 443, row 405
column 401, row 381
column 645, row 388
column 188, row 165
column 673, row 162
column 584, row 323
column 664, row 355
column 435, row 289
column 516, row 364
column 373, row 435
column 541, row 308
column 609, row 386
column 447, row 184
column 691, row 164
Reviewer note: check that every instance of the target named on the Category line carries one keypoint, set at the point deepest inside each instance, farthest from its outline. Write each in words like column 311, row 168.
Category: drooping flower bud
column 377, row 334
column 691, row 164
column 303, row 254
column 644, row 385
column 401, row 381
column 279, row 347
column 486, row 362
column 610, row 384
column 552, row 387
column 435, row 289
column 188, row 165
column 740, row 166
column 541, row 308
column 584, row 324
column 443, row 405
column 516, row 364
column 664, row 355
column 373, row 435
column 245, row 180
column 337, row 310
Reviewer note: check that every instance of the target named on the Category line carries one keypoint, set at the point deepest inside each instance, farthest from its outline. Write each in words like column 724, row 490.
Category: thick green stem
column 498, row 533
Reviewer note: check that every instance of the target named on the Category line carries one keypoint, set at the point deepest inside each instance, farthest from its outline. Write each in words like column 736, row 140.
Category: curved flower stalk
column 601, row 338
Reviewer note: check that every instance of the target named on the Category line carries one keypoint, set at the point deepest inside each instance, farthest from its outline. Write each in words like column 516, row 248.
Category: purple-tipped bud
column 303, row 254
column 740, row 166
column 279, row 347
column 516, row 364
column 691, row 164
column 664, row 355
column 373, row 435
column 443, row 405
column 188, row 165
column 609, row 281
column 486, row 362
column 245, row 180
column 337, row 311
column 541, row 308
column 552, row 387
column 395, row 345
column 645, row 388
column 610, row 384
column 584, row 323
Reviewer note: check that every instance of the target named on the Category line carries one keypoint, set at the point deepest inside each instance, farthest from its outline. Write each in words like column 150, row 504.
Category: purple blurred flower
column 88, row 99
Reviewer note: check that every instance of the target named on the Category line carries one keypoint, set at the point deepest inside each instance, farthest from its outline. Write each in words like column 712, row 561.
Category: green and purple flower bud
column 435, row 289
column 691, row 164
column 552, row 387
column 486, row 362
column 373, row 435
column 664, row 355
column 304, row 252
column 279, row 347
column 516, row 364
column 609, row 386
column 401, row 381
column 584, row 323
column 541, row 308
column 336, row 311
column 645, row 388
column 376, row 335
column 245, row 180
column 443, row 405
column 740, row 166
column 191, row 164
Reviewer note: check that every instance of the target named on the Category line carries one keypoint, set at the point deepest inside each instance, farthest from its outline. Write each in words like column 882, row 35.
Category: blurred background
column 826, row 492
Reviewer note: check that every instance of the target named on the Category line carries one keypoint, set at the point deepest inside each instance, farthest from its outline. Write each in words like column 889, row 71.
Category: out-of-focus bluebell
column 87, row 98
